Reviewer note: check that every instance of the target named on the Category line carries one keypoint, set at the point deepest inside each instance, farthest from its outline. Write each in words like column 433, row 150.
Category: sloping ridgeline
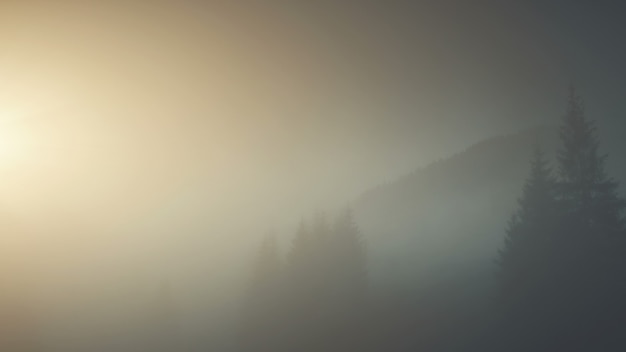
column 442, row 225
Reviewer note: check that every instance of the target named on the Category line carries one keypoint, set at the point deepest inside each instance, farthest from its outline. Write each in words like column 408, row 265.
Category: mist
column 159, row 160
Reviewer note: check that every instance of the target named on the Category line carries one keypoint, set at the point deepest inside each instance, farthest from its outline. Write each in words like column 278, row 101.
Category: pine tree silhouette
column 592, row 262
column 525, row 257
column 307, row 285
column 563, row 266
column 324, row 286
column 349, row 260
column 588, row 193
column 348, row 284
column 529, row 233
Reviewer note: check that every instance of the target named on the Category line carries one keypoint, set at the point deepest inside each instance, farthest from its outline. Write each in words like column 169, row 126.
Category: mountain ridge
column 455, row 207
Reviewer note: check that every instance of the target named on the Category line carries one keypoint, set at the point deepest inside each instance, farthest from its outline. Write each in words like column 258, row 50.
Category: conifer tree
column 564, row 261
column 309, row 265
column 347, row 281
column 349, row 258
column 588, row 193
column 327, row 281
column 300, row 267
column 529, row 234
column 592, row 261
column 524, row 261
column 267, row 270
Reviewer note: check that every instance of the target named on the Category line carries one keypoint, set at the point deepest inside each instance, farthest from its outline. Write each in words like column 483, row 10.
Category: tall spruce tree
column 529, row 234
column 563, row 267
column 348, row 283
column 309, row 264
column 300, row 289
column 586, row 190
column 309, row 286
column 349, row 259
column 591, row 263
column 327, row 280
column 301, row 267
column 522, row 262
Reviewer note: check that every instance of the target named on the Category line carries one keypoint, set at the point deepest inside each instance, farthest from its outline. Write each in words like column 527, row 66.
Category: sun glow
column 15, row 141
column 13, row 147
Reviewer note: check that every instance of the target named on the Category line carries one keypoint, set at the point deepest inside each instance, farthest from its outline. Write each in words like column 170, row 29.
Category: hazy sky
column 206, row 120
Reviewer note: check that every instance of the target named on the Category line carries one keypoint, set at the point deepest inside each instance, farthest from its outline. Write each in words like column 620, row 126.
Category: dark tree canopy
column 528, row 236
column 564, row 253
column 586, row 190
column 561, row 274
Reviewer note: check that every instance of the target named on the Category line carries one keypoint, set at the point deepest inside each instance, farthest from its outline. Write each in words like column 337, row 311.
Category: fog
column 148, row 148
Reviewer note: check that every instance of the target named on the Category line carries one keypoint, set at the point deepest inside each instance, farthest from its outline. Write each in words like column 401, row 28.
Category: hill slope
column 445, row 222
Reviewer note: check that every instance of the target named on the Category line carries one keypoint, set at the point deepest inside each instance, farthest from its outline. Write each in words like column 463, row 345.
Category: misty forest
column 558, row 277
column 312, row 176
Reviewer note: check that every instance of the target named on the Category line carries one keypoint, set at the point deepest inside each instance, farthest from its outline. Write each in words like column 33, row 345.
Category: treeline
column 313, row 299
column 562, row 270
column 560, row 275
